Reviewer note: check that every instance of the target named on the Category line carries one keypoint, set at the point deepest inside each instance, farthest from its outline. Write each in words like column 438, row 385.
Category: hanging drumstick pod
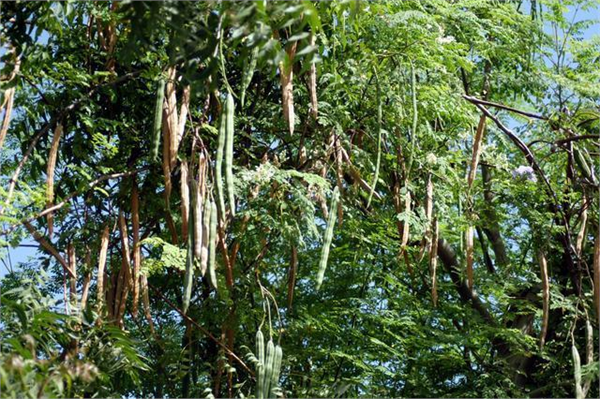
column 312, row 82
column 229, row 111
column 104, row 239
column 406, row 224
column 185, row 199
column 545, row 296
column 428, row 218
column 158, row 116
column 433, row 261
column 137, row 254
column 469, row 255
column 52, row 157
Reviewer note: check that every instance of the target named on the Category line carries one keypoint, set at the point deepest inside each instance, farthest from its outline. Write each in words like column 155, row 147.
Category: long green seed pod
column 328, row 237
column 212, row 245
column 413, row 133
column 270, row 358
column 577, row 371
column 379, row 133
column 219, row 164
column 189, row 264
column 589, row 353
column 276, row 370
column 229, row 109
column 583, row 165
column 158, row 114
column 260, row 354
column 248, row 73
column 588, row 160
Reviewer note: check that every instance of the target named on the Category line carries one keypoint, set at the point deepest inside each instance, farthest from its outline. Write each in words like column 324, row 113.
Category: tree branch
column 59, row 205
column 202, row 329
column 448, row 257
column 572, row 258
column 49, row 248
column 478, row 101
column 74, row 105
column 577, row 138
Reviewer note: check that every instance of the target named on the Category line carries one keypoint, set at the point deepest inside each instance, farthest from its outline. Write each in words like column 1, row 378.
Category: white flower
column 431, row 158
column 445, row 39
column 264, row 172
column 525, row 172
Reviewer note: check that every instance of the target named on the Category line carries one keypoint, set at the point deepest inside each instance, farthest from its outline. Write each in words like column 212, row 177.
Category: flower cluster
column 525, row 172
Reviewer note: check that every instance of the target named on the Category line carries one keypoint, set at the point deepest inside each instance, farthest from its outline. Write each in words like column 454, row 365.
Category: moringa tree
column 401, row 196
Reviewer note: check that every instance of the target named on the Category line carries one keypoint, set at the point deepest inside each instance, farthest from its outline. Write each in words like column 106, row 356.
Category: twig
column 49, row 247
column 577, row 138
column 14, row 178
column 70, row 197
column 556, row 208
column 202, row 329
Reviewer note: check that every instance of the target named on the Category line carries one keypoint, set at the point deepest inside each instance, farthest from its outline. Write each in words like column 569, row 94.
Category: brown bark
column 48, row 247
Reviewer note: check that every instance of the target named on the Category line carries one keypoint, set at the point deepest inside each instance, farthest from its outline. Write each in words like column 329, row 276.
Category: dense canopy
column 300, row 199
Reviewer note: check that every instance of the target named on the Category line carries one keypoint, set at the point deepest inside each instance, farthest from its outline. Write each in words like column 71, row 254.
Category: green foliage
column 391, row 80
column 50, row 354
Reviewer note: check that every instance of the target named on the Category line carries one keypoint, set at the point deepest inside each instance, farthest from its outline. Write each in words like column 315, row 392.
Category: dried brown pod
column 428, row 215
column 111, row 293
column 405, row 224
column 87, row 278
column 323, row 205
column 312, row 83
column 167, row 175
column 135, row 225
column 183, row 113
column 73, row 278
column 476, row 150
column 185, row 200
column 581, row 233
column 286, row 75
column 198, row 191
column 433, row 261
column 206, row 218
column 50, row 167
column 292, row 276
column 101, row 265
column 172, row 118
column 429, row 199
column 146, row 302
column 597, row 275
column 9, row 98
column 197, row 215
column 124, row 279
column 469, row 255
